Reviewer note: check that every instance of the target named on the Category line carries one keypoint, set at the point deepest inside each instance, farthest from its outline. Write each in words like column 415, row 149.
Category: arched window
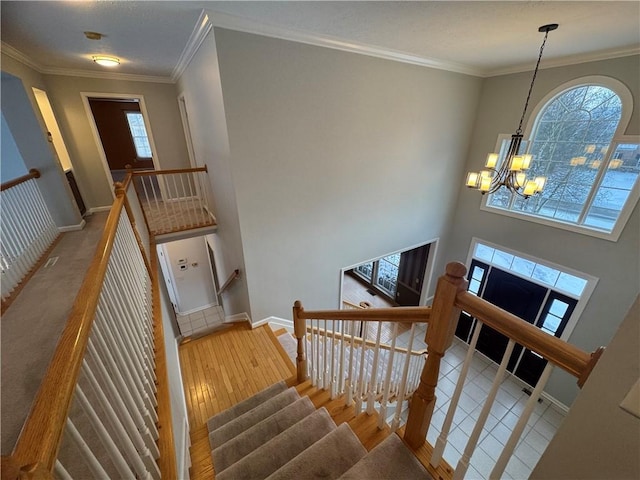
column 591, row 168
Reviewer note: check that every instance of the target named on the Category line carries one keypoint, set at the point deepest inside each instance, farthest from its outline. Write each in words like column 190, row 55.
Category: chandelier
column 511, row 172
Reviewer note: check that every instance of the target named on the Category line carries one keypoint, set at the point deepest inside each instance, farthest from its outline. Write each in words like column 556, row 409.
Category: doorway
column 121, row 129
column 398, row 278
column 543, row 294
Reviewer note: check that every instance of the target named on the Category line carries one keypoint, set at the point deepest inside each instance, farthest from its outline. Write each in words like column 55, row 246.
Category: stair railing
column 174, row 200
column 102, row 409
column 451, row 297
column 27, row 231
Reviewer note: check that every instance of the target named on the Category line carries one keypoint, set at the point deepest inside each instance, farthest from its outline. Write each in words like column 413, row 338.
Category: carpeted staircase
column 277, row 434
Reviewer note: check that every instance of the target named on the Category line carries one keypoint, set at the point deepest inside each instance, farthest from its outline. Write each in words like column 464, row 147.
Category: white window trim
column 582, row 300
column 619, row 137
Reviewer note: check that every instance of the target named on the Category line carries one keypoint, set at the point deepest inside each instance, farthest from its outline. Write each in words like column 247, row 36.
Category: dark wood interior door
column 515, row 295
column 111, row 121
column 413, row 265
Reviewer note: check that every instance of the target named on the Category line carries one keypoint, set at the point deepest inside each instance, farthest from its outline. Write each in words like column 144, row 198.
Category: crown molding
column 22, row 58
column 232, row 22
column 19, row 56
column 566, row 61
column 200, row 32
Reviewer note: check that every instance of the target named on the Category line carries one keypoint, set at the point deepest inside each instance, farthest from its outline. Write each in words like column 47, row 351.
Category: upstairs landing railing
column 450, row 299
column 27, row 231
column 174, row 200
column 103, row 409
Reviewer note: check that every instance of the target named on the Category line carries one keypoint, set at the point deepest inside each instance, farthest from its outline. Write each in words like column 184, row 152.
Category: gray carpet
column 245, row 421
column 252, row 438
column 32, row 325
column 285, row 438
column 238, row 409
column 376, row 464
column 268, row 458
column 327, row 459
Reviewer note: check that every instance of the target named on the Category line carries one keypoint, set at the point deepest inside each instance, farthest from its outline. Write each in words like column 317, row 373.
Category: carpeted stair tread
column 250, row 403
column 391, row 459
column 261, row 433
column 269, row 457
column 248, row 419
column 326, row 459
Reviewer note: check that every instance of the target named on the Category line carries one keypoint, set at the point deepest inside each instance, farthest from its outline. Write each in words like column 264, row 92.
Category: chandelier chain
column 533, row 80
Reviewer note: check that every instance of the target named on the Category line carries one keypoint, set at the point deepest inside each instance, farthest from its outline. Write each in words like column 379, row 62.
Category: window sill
column 592, row 232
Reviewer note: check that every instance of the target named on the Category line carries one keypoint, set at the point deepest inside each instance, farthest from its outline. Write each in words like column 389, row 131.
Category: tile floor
column 200, row 321
column 510, row 401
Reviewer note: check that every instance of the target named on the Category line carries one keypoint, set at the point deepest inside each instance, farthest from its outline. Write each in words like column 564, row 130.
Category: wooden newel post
column 300, row 330
column 442, row 327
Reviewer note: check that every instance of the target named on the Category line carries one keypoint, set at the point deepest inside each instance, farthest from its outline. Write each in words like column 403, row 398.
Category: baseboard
column 237, row 318
column 203, row 307
column 72, row 228
column 105, row 208
column 280, row 322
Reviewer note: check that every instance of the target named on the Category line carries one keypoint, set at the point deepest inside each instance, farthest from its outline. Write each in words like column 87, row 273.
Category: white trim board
column 280, row 322
column 200, row 31
column 72, row 228
column 237, row 318
column 104, row 208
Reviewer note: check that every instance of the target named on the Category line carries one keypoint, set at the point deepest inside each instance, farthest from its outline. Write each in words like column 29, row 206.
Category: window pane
column 522, row 266
column 571, row 284
column 139, row 134
column 388, row 273
column 570, row 145
column 474, row 286
column 551, row 323
column 545, row 274
column 558, row 308
column 502, row 259
column 483, row 252
column 365, row 270
column 478, row 273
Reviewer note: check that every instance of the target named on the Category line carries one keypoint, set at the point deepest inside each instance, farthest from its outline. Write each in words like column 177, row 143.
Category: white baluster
column 92, row 462
column 61, row 472
column 343, row 342
column 361, row 379
column 507, row 452
column 325, row 379
column 371, row 397
column 441, row 443
column 107, row 442
column 332, row 374
column 350, row 380
column 405, row 375
column 187, row 199
column 463, row 463
column 387, row 381
column 129, row 439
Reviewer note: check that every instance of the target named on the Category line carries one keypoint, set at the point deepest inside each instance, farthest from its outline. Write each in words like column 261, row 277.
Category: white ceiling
column 480, row 37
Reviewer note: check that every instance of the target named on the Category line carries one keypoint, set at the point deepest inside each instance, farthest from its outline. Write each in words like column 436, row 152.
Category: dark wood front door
column 111, row 121
column 515, row 295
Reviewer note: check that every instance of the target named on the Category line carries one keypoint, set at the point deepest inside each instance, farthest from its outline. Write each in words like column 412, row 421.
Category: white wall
column 202, row 90
column 598, row 439
column 11, row 162
column 616, row 264
column 176, row 389
column 336, row 158
column 194, row 287
column 164, row 122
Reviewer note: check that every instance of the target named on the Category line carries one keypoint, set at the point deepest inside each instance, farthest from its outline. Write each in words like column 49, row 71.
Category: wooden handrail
column 395, row 314
column 41, row 434
column 358, row 340
column 141, row 173
column 33, row 173
column 235, row 274
column 566, row 356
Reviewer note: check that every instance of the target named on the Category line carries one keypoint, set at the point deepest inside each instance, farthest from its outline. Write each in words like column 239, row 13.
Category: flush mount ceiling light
column 511, row 171
column 106, row 60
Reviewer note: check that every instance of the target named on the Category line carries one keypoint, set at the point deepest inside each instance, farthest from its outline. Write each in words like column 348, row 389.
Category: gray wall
column 200, row 84
column 614, row 263
column 336, row 158
column 164, row 121
column 27, row 128
column 11, row 162
column 598, row 439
